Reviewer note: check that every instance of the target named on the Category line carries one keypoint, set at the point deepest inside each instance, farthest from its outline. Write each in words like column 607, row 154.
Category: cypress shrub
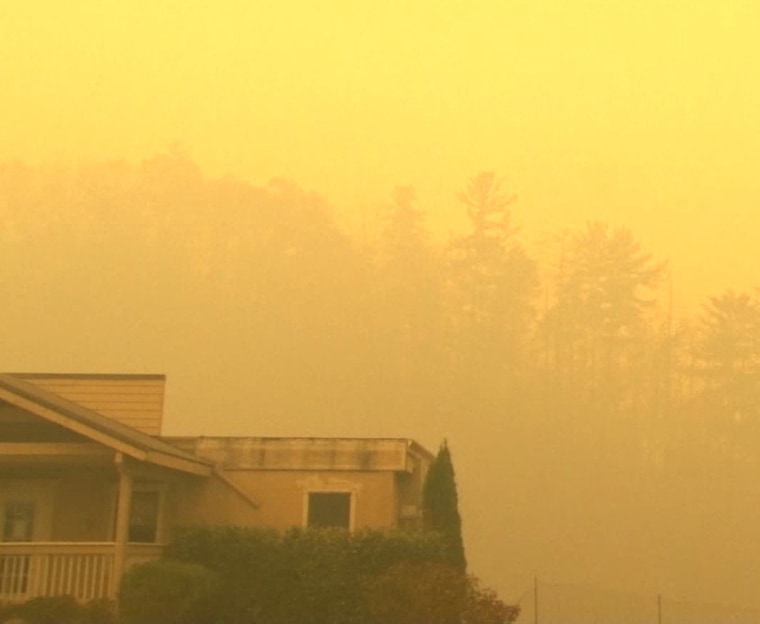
column 440, row 506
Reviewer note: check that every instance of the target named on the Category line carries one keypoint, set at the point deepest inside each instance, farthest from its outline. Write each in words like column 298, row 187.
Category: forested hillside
column 599, row 437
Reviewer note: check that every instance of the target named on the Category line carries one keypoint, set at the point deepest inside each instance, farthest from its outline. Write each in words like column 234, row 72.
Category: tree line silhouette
column 567, row 359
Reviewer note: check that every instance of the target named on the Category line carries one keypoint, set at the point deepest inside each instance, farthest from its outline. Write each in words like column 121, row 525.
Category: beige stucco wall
column 205, row 501
column 281, row 498
column 384, row 476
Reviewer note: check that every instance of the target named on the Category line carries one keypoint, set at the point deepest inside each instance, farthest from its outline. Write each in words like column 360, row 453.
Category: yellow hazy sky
column 641, row 113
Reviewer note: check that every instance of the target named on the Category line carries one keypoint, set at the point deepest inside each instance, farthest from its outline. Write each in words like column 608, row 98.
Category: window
column 329, row 501
column 329, row 509
column 143, row 516
column 18, row 526
column 18, row 521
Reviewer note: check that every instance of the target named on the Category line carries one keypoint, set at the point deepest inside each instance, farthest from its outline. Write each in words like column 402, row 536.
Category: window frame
column 349, row 524
column 25, row 509
column 160, row 490
column 317, row 485
column 40, row 492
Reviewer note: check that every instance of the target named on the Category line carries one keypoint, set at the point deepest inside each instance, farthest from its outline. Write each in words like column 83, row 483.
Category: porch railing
column 84, row 570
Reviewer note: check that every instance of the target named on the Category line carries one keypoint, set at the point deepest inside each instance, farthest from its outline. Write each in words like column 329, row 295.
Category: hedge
column 303, row 575
column 168, row 592
column 235, row 575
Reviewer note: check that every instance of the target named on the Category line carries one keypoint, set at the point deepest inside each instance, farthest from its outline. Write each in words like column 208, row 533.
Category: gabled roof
column 134, row 400
column 96, row 427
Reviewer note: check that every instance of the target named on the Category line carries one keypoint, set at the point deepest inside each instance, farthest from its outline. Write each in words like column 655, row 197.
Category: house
column 89, row 487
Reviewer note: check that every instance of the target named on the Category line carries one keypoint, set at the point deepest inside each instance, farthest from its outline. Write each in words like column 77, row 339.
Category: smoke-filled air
column 528, row 228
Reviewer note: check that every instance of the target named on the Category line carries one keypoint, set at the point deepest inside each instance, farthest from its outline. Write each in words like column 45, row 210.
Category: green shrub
column 235, row 575
column 167, row 592
column 408, row 593
column 51, row 610
column 7, row 611
column 99, row 611
column 249, row 561
column 302, row 575
column 60, row 610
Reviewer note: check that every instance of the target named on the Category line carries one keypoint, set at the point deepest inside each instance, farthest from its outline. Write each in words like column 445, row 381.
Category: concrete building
column 88, row 486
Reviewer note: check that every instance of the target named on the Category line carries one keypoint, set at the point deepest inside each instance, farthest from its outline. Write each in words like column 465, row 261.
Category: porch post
column 121, row 532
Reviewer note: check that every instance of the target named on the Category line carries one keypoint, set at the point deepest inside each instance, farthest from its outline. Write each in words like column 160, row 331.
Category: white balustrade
column 82, row 570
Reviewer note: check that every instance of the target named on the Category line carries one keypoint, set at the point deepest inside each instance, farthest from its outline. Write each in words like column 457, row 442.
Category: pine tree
column 489, row 289
column 440, row 507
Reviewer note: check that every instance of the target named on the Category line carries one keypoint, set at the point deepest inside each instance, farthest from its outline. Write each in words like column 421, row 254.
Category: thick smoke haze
column 598, row 438
column 287, row 209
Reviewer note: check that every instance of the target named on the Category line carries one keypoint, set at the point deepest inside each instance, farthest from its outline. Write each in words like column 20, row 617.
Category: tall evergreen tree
column 489, row 290
column 440, row 506
column 407, row 312
column 728, row 355
column 604, row 285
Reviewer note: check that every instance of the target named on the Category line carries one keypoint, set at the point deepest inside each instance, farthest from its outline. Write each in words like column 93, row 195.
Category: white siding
column 136, row 401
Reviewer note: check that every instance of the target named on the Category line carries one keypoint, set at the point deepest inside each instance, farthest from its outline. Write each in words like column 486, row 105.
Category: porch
column 82, row 496
column 85, row 570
